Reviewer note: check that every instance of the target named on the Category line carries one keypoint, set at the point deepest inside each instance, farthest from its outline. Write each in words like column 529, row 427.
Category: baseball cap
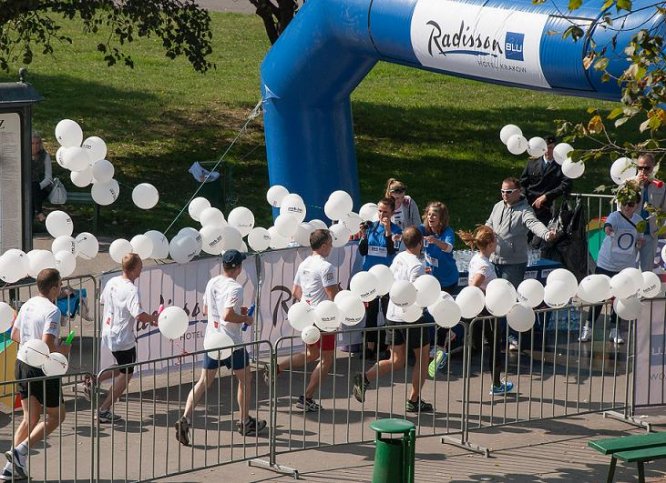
column 233, row 258
column 551, row 139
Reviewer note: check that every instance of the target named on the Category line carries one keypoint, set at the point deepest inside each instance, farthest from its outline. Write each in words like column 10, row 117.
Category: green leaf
column 575, row 4
column 621, row 121
column 640, row 226
column 615, row 113
column 623, row 5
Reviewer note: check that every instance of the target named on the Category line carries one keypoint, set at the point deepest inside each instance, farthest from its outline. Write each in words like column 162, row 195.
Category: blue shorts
column 239, row 359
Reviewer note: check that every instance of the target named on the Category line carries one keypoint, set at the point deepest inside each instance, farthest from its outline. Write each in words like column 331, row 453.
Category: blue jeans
column 648, row 253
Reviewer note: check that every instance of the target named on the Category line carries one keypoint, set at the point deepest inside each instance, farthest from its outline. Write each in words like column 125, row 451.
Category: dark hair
column 387, row 201
column 512, row 180
column 130, row 262
column 412, row 237
column 47, row 279
column 319, row 237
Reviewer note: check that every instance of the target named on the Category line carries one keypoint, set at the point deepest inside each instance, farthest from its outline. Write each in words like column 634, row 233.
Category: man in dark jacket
column 542, row 182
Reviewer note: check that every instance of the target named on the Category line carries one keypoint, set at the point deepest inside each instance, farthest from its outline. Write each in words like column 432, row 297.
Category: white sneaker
column 615, row 337
column 585, row 335
column 513, row 342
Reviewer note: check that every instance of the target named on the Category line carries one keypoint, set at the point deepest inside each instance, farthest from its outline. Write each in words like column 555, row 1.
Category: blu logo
column 514, row 46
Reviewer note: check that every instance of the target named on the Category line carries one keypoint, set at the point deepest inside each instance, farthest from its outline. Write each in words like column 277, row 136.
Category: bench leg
column 611, row 470
column 641, row 472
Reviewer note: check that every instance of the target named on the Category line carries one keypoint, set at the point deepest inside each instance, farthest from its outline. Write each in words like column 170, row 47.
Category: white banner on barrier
column 650, row 367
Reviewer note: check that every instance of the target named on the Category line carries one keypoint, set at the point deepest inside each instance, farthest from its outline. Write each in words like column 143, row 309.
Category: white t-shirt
column 222, row 293
column 314, row 274
column 405, row 266
column 619, row 250
column 481, row 265
column 121, row 307
column 37, row 317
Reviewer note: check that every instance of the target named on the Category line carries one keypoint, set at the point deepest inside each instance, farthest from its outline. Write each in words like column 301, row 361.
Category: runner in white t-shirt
column 316, row 280
column 405, row 266
column 223, row 299
column 39, row 318
column 122, row 310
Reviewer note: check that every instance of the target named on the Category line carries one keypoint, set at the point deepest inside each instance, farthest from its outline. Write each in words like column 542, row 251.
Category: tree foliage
column 33, row 26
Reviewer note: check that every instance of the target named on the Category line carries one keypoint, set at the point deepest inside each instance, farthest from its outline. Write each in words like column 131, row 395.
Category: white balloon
column 105, row 194
column 636, row 275
column 500, row 297
column 220, row 345
column 537, row 147
column 212, row 216
column 594, row 288
column 183, row 248
column 95, row 147
column 352, row 222
column 402, row 293
column 368, row 212
column 294, row 204
column 520, row 318
column 68, row 133
column 517, row 144
column 58, row 156
column 318, row 224
column 103, row 171
column 65, row 262
column 651, row 285
column 286, row 224
column 160, row 244
column 471, row 301
column 364, row 286
column 87, row 246
column 427, row 290
column 35, row 352
column 142, row 246
column 340, row 235
column 412, row 313
column 58, row 223
column 7, row 316
column 64, row 242
column 338, row 205
column 13, row 265
column 556, row 294
column 243, row 248
column 259, row 239
column 530, row 292
column 38, row 260
column 75, row 159
column 565, row 276
column 211, row 239
column 343, row 294
column 81, row 179
column 384, row 277
column 277, row 240
column 311, row 335
column 303, row 232
column 623, row 286
column 573, row 170
column 276, row 194
column 173, row 322
column 145, row 196
column 351, row 309
column 509, row 130
column 231, row 239
column 193, row 233
column 445, row 312
column 301, row 315
column 56, row 364
column 242, row 219
column 561, row 152
column 119, row 248
column 622, row 170
column 627, row 309
column 196, row 206
column 327, row 316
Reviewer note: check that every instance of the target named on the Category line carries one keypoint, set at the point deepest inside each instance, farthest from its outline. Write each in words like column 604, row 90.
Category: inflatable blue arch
column 331, row 45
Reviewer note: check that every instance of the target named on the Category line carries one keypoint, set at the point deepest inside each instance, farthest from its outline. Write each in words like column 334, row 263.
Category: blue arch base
column 309, row 74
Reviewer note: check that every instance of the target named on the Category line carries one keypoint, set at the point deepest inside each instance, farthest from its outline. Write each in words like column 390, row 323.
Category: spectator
column 406, row 266
column 42, row 176
column 222, row 305
column 316, row 280
column 542, row 182
column 39, row 318
column 511, row 219
column 652, row 193
column 618, row 250
column 481, row 272
column 378, row 246
column 405, row 212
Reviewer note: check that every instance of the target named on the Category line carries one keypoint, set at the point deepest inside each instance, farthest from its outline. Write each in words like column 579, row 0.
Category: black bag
column 570, row 244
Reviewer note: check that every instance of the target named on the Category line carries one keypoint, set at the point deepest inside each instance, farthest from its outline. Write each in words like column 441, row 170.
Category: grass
column 437, row 133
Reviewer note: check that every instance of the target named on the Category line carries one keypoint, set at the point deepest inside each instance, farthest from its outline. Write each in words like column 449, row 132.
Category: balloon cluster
column 512, row 136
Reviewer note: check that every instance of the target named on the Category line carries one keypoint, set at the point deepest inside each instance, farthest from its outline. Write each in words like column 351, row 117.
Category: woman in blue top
column 378, row 246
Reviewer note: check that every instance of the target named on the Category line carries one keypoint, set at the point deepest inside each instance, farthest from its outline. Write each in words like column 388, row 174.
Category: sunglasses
column 508, row 192
column 644, row 168
column 397, row 190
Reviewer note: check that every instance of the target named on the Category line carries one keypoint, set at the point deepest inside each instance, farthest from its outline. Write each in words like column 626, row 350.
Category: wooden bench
column 637, row 449
column 84, row 198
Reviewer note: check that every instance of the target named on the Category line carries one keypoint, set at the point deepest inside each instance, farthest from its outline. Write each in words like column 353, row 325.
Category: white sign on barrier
column 650, row 366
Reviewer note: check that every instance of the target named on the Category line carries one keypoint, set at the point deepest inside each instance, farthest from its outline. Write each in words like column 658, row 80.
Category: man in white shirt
column 222, row 304
column 122, row 309
column 315, row 280
column 405, row 266
column 39, row 318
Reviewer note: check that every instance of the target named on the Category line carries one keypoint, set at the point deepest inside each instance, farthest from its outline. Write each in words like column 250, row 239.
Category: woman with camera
column 406, row 213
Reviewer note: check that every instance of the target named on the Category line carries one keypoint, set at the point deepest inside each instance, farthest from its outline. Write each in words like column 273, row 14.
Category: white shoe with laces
column 585, row 335
column 615, row 337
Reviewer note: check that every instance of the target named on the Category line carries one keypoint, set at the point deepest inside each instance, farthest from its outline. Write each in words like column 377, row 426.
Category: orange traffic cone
column 17, row 403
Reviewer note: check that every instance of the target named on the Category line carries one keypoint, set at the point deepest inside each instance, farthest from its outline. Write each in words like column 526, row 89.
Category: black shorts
column 399, row 333
column 48, row 393
column 125, row 357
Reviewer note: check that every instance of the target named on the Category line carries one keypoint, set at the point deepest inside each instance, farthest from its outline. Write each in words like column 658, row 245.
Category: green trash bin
column 394, row 457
